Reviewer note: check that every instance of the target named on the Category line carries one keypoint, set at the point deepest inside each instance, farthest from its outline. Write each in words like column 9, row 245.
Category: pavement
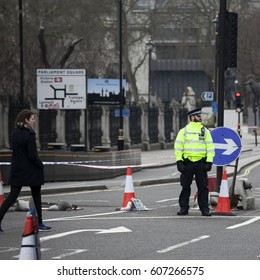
column 149, row 159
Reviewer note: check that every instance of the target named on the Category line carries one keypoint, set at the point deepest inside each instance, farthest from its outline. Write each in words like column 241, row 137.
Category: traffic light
column 239, row 104
column 230, row 38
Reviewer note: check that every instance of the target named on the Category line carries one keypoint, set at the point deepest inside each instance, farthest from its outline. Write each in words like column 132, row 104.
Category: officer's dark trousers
column 201, row 177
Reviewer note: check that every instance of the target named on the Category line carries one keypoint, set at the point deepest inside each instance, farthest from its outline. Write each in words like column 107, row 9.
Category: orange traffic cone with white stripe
column 30, row 248
column 223, row 205
column 129, row 191
column 2, row 197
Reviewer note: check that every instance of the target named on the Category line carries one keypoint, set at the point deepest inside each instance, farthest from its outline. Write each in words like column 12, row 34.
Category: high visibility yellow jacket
column 194, row 142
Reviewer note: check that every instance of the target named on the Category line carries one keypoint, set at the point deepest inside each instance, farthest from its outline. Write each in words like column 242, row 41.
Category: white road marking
column 169, row 199
column 250, row 214
column 42, row 250
column 177, row 204
column 99, row 231
column 73, row 252
column 114, row 230
column 84, row 216
column 244, row 223
column 151, row 217
column 8, row 249
column 183, row 244
column 248, row 170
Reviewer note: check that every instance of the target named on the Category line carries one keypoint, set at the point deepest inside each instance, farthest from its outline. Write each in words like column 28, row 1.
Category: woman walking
column 26, row 167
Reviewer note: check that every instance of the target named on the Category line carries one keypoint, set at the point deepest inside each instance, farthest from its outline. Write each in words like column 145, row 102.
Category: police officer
column 194, row 151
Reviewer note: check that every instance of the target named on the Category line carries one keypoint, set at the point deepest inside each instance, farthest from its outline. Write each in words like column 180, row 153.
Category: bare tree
column 249, row 39
column 132, row 41
column 9, row 55
column 64, row 58
column 54, row 32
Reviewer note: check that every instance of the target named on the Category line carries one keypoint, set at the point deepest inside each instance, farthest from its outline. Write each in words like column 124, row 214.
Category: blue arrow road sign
column 227, row 145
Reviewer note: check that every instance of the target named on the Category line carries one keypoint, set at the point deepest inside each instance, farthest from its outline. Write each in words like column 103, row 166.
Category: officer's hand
column 207, row 166
column 180, row 166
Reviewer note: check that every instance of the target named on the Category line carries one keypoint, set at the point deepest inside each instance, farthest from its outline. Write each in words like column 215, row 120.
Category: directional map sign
column 207, row 96
column 61, row 88
column 227, row 145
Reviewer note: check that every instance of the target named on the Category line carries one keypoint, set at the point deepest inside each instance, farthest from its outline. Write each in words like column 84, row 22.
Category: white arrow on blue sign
column 207, row 96
column 227, row 145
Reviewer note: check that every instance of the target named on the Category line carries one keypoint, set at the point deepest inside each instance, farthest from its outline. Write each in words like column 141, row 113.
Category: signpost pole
column 233, row 201
column 221, row 78
column 232, row 188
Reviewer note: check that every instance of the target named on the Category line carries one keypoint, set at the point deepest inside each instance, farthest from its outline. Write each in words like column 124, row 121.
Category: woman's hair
column 20, row 119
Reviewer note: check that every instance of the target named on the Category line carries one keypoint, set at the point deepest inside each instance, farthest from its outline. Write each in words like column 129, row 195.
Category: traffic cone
column 2, row 197
column 223, row 205
column 129, row 191
column 30, row 248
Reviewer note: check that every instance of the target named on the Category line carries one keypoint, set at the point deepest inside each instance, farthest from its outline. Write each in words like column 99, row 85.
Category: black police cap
column 196, row 111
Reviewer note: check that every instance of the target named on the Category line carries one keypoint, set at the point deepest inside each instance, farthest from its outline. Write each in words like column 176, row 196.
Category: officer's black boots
column 183, row 212
column 206, row 213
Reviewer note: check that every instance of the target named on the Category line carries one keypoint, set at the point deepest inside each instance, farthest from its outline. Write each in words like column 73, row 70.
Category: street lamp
column 150, row 49
column 120, row 145
column 21, row 52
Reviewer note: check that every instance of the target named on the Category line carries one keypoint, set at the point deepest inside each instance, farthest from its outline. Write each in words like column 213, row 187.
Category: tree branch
column 69, row 52
column 43, row 48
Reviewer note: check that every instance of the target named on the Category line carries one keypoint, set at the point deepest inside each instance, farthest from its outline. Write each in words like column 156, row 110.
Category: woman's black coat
column 26, row 167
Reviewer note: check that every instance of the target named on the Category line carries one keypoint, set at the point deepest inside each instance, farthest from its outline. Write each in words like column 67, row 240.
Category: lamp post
column 21, row 97
column 150, row 48
column 121, row 123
